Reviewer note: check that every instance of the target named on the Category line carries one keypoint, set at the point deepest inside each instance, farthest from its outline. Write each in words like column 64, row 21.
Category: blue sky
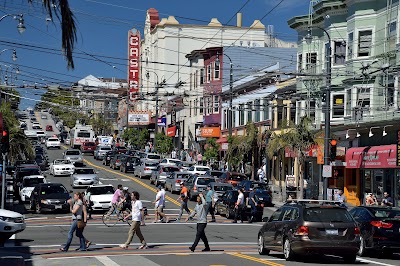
column 102, row 31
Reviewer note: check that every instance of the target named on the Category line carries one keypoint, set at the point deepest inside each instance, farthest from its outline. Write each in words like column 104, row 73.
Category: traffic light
column 5, row 141
column 333, row 150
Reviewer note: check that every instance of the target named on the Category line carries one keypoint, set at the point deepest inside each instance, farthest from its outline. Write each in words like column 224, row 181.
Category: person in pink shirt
column 199, row 158
column 116, row 199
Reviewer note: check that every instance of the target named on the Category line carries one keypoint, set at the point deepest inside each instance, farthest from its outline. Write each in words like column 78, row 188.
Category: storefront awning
column 372, row 157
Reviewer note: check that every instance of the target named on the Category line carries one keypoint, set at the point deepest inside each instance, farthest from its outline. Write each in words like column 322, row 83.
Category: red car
column 49, row 128
column 88, row 147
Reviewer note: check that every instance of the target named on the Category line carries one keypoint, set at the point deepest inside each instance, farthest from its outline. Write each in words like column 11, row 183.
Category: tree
column 212, row 149
column 164, row 143
column 135, row 137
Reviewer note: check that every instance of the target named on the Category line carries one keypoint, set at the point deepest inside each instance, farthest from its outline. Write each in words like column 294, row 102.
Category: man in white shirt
column 173, row 154
column 239, row 207
column 260, row 174
column 159, row 204
column 137, row 217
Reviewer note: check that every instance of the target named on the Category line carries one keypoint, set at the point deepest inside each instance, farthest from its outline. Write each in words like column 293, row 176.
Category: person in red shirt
column 184, row 199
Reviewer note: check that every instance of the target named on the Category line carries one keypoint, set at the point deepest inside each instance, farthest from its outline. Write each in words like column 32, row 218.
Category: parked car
column 107, row 157
column 232, row 178
column 50, row 197
column 196, row 184
column 75, row 156
column 88, row 147
column 129, row 163
column 28, row 184
column 301, row 227
column 116, row 161
column 84, row 177
column 41, row 161
column 49, row 128
column 198, row 169
column 215, row 173
column 67, row 140
column 53, row 142
column 380, row 229
column 10, row 223
column 151, row 156
column 171, row 161
column 36, row 127
column 185, row 165
column 173, row 181
column 100, row 151
column 145, row 169
column 159, row 176
column 247, row 184
column 61, row 167
column 24, row 170
column 100, row 196
column 44, row 117
column 219, row 189
column 40, row 134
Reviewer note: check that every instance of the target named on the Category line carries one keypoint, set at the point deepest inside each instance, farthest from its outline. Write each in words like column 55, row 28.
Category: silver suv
column 100, row 151
column 75, row 156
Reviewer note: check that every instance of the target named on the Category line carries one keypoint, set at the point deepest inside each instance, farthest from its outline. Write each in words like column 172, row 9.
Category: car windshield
column 202, row 169
column 31, row 182
column 62, row 162
column 84, row 171
column 222, row 188
column 386, row 213
column 153, row 156
column 105, row 148
column 72, row 153
column 237, row 177
column 262, row 195
column 83, row 134
column 327, row 215
column 171, row 169
column 52, row 139
column 101, row 190
column 204, row 181
column 215, row 174
column 53, row 190
column 26, row 172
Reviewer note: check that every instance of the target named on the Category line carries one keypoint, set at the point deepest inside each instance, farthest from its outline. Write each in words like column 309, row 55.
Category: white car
column 61, row 167
column 53, row 143
column 198, row 169
column 11, row 223
column 40, row 134
column 100, row 196
column 28, row 184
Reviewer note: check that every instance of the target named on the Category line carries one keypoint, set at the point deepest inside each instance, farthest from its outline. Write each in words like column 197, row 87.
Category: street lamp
column 14, row 54
column 230, row 97
column 21, row 24
column 327, row 104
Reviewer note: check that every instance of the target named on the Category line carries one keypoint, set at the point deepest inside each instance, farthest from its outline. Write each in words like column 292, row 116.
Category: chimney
column 239, row 20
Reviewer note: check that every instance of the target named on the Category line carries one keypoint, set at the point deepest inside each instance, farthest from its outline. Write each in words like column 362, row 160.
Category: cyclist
column 116, row 199
column 126, row 200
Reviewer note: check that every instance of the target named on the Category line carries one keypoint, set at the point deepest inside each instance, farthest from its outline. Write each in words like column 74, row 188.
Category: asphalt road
column 231, row 244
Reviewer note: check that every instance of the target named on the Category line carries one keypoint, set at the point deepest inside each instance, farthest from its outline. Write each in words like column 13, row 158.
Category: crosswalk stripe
column 106, row 261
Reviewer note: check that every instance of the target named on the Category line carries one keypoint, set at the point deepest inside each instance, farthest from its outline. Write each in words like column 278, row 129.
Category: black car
column 62, row 136
column 41, row 161
column 380, row 229
column 116, row 161
column 24, row 170
column 302, row 227
column 225, row 206
column 49, row 197
column 107, row 157
column 129, row 163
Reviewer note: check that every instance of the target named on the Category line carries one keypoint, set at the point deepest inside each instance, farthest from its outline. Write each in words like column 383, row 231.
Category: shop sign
column 385, row 156
column 225, row 146
column 162, row 121
column 210, row 132
column 133, row 64
column 139, row 118
column 398, row 148
column 171, row 131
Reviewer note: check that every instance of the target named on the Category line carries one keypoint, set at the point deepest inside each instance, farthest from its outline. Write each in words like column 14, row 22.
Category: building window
column 363, row 97
column 348, row 102
column 350, row 40
column 249, row 112
column 216, row 69
column 311, row 63
column 216, row 104
column 364, row 42
column 338, row 106
column 257, row 110
column 209, row 105
column 195, row 107
column 241, row 115
column 190, row 108
column 201, row 105
column 195, row 78
column 340, row 53
column 392, row 30
column 266, row 109
column 300, row 62
column 202, row 76
column 209, row 73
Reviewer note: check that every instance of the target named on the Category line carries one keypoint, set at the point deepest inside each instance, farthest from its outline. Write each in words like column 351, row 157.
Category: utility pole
column 156, row 122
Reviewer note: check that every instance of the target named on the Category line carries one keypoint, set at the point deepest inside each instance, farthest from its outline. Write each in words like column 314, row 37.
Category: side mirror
column 265, row 219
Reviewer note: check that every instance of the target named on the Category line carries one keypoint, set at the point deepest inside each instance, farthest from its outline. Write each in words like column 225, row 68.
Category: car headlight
column 68, row 158
column 44, row 201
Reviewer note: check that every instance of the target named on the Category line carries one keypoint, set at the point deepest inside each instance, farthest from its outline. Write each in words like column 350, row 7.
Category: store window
column 201, row 105
column 338, row 106
column 339, row 53
column 266, row 109
column 216, row 104
column 350, row 40
column 249, row 112
column 209, row 73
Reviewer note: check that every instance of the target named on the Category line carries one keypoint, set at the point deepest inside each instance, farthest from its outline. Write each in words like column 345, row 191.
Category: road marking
column 107, row 179
column 106, row 261
column 133, row 179
column 240, row 255
column 375, row 262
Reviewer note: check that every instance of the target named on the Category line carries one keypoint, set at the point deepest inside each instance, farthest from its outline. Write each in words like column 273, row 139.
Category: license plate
column 332, row 232
column 105, row 206
column 261, row 198
column 58, row 207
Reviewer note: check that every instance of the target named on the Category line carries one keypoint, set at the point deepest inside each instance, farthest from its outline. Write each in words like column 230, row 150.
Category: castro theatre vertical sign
column 133, row 65
column 398, row 148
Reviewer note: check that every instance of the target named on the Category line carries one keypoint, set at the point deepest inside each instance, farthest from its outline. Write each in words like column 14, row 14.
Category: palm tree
column 61, row 9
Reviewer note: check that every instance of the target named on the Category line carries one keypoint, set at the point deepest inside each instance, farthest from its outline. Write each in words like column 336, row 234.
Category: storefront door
column 378, row 181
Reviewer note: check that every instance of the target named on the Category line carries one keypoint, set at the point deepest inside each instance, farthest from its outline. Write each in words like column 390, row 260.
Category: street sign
column 327, row 171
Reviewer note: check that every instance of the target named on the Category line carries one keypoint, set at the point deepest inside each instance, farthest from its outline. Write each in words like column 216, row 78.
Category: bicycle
column 116, row 216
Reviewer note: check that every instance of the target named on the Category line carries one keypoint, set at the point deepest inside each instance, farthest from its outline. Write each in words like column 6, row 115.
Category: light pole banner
column 133, row 64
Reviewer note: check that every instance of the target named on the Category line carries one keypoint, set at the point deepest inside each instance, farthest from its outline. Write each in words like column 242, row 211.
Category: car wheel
column 362, row 251
column 350, row 258
column 287, row 250
column 217, row 210
column 228, row 212
column 261, row 248
column 38, row 210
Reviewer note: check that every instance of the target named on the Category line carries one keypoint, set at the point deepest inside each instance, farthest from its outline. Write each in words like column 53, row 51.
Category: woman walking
column 79, row 218
column 201, row 211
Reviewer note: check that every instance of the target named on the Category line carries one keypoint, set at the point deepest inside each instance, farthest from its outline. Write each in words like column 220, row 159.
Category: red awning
column 222, row 140
column 384, row 156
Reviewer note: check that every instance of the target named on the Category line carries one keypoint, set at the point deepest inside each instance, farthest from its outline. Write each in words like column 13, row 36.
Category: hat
column 159, row 187
column 208, row 185
column 125, row 188
column 181, row 183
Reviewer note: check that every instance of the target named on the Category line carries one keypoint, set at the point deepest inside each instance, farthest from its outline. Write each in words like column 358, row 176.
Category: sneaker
column 191, row 249
column 213, row 221
column 123, row 246
column 240, row 222
column 206, row 249
column 144, row 246
column 234, row 222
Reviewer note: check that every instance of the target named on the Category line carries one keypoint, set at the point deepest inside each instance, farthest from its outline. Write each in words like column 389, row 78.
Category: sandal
column 63, row 249
column 88, row 244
